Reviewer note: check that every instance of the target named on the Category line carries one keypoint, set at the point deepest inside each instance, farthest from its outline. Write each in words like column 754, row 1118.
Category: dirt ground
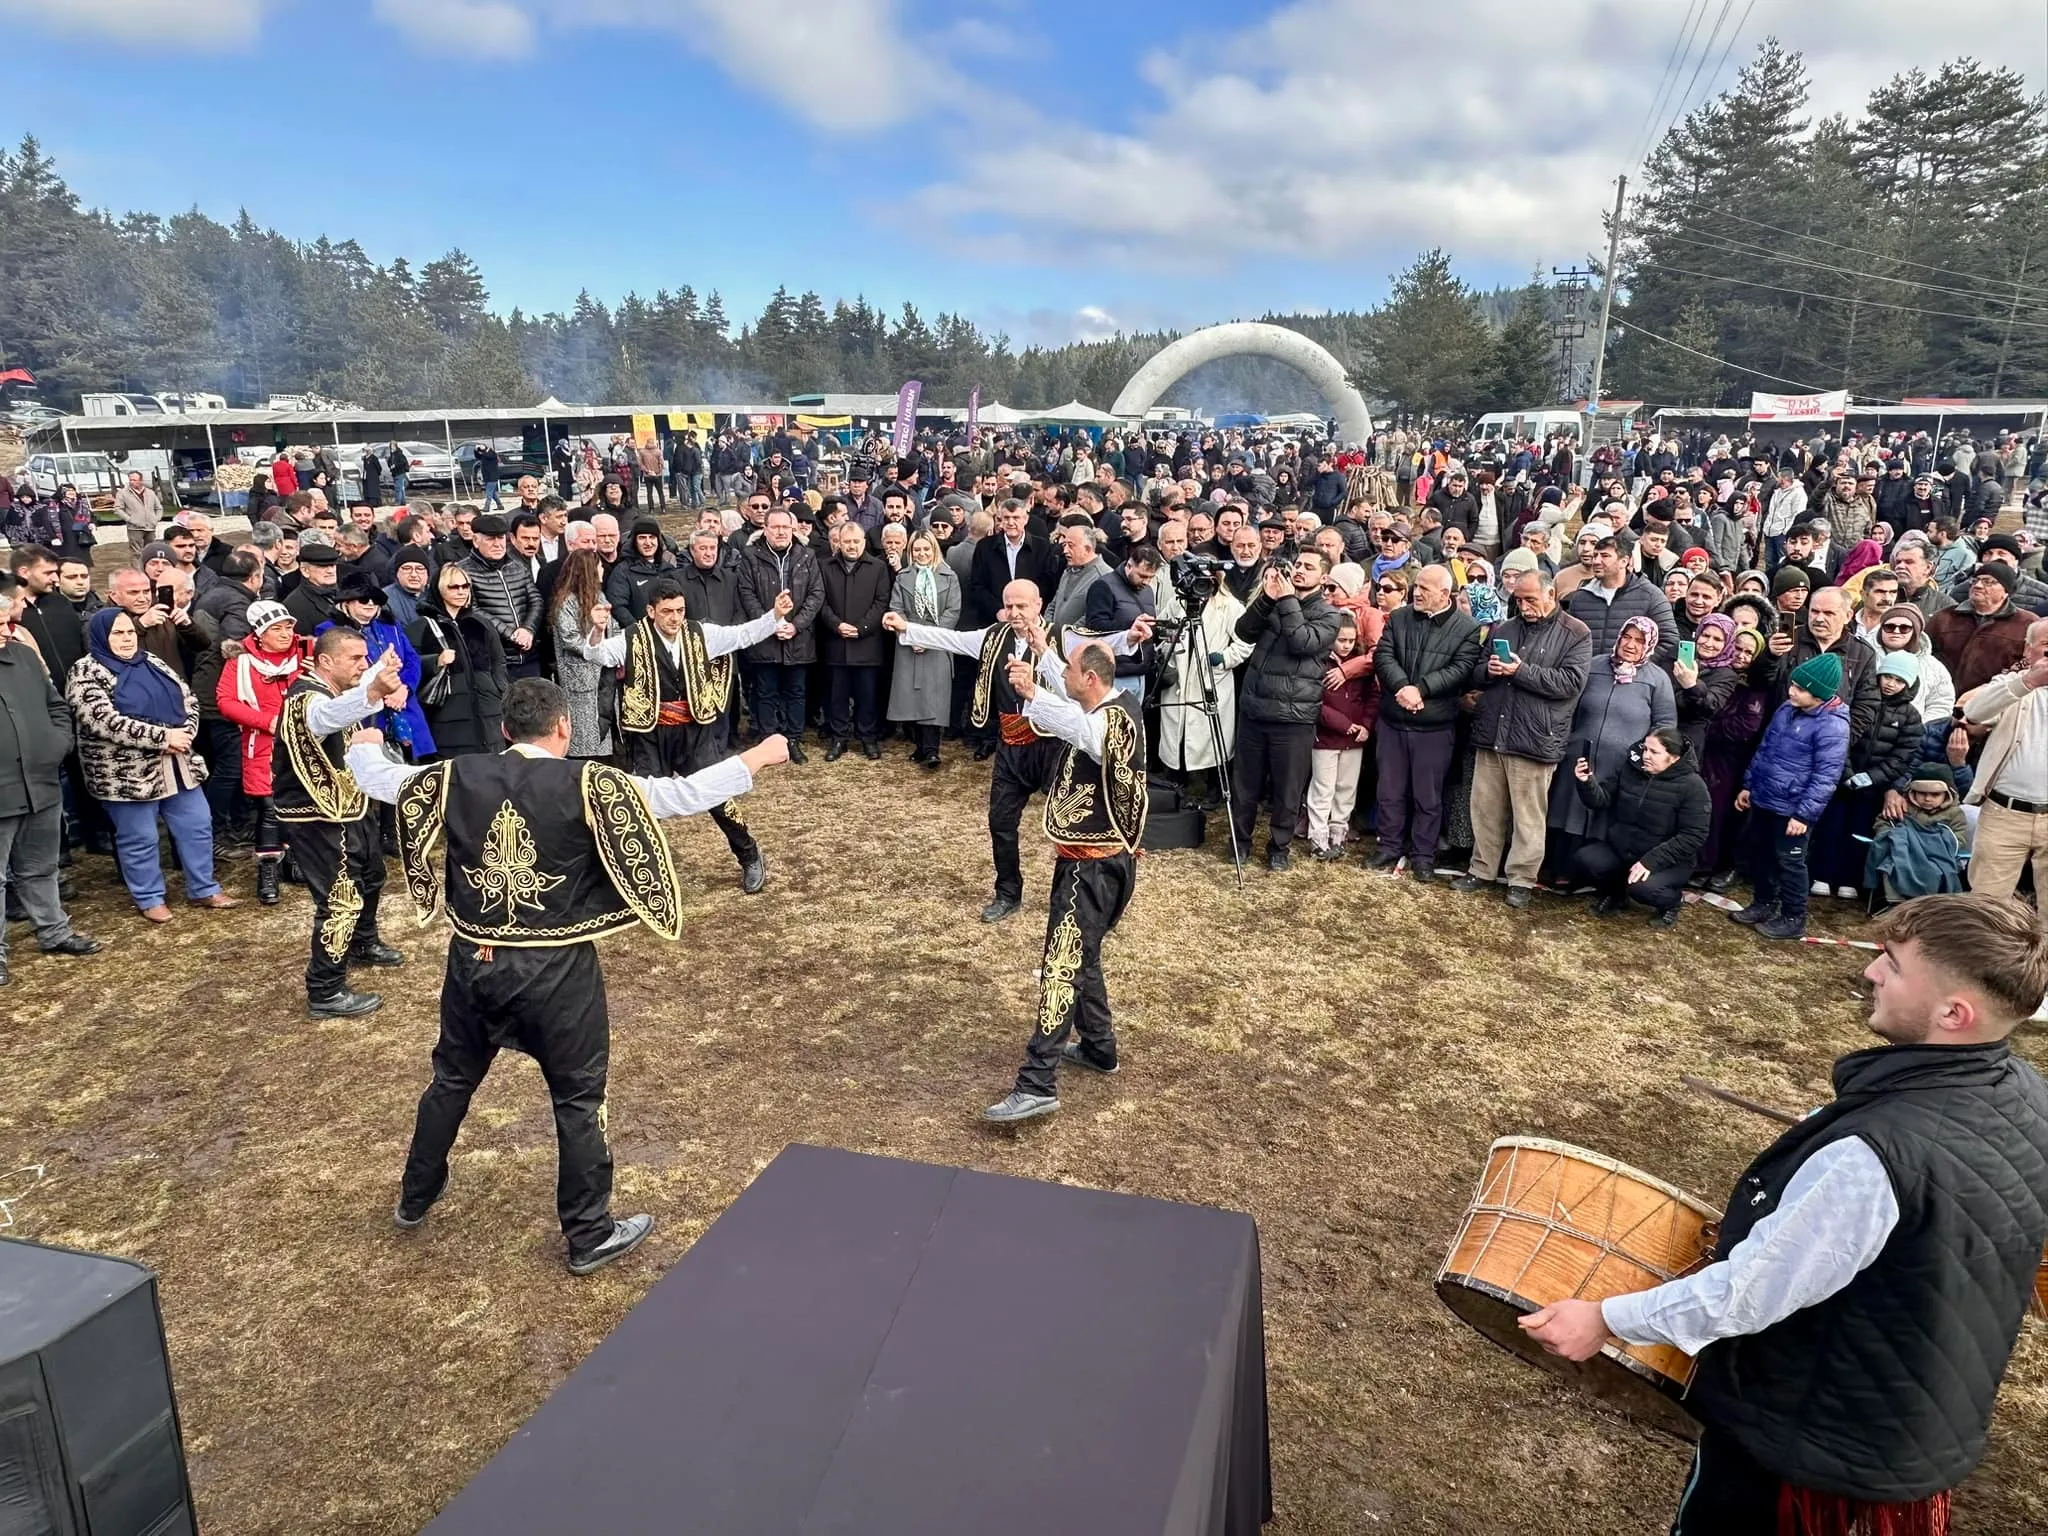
column 1330, row 1050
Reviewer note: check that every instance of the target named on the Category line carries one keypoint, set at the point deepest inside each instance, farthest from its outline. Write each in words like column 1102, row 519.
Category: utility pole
column 1570, row 328
column 1606, row 302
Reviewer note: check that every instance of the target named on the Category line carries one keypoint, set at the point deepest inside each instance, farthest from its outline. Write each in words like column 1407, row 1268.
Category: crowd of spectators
column 1814, row 667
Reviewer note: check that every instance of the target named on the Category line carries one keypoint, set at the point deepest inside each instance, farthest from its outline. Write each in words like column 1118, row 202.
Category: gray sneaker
column 1072, row 1054
column 1021, row 1106
column 626, row 1236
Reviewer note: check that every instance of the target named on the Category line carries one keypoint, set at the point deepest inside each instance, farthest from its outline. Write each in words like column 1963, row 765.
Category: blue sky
column 1050, row 168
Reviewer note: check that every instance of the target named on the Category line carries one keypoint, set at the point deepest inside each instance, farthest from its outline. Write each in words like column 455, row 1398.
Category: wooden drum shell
column 1551, row 1221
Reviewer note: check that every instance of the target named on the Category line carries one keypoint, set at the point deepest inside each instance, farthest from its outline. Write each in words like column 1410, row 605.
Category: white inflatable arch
column 1253, row 338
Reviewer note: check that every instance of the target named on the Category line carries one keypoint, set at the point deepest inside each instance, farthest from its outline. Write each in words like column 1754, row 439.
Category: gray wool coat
column 921, row 692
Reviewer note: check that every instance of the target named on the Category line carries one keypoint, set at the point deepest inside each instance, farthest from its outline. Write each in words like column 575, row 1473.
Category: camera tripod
column 1198, row 673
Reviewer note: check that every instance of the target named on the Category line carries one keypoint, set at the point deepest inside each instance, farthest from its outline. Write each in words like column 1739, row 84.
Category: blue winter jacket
column 1799, row 762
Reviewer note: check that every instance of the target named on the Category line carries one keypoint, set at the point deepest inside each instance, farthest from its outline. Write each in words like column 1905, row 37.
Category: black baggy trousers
column 550, row 1004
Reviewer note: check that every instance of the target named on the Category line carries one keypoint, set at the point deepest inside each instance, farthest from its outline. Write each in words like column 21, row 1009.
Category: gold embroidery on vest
column 995, row 646
column 709, row 681
column 511, row 872
column 422, row 815
column 630, row 842
column 332, row 790
column 344, row 906
column 1062, row 965
column 640, row 697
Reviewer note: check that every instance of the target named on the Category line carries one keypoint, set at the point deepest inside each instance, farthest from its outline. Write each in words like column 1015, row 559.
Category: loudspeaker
column 1174, row 829
column 89, row 1438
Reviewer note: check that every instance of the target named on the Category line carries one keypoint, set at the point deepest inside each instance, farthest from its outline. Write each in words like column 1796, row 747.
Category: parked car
column 93, row 473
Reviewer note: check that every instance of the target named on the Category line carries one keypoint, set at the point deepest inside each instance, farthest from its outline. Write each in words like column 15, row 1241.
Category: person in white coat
column 1187, row 745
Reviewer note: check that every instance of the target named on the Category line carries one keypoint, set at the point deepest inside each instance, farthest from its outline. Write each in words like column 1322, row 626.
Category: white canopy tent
column 1074, row 414
column 996, row 414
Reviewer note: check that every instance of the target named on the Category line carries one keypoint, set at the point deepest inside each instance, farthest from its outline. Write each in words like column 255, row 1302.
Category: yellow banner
column 643, row 427
column 700, row 421
column 824, row 421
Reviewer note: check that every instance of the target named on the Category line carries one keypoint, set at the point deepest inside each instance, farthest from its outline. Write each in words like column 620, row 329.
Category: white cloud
column 1351, row 129
column 840, row 64
column 466, row 28
column 202, row 25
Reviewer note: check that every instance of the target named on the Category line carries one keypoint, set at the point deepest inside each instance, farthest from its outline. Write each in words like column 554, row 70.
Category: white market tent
column 1074, row 413
column 996, row 414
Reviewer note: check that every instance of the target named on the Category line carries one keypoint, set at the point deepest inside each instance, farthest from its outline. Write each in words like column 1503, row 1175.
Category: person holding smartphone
column 1529, row 678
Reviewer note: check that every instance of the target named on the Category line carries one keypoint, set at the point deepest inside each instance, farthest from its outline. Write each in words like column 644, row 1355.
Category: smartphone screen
column 1502, row 651
column 1688, row 653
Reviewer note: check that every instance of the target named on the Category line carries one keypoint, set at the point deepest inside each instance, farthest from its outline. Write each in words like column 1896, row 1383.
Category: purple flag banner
column 973, row 413
column 906, row 416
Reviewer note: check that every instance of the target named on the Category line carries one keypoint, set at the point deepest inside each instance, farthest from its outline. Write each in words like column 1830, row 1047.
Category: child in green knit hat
column 1795, row 771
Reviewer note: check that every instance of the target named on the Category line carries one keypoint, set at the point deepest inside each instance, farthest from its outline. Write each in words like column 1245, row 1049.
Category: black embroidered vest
column 993, row 694
column 540, row 851
column 309, row 777
column 1094, row 804
column 702, row 682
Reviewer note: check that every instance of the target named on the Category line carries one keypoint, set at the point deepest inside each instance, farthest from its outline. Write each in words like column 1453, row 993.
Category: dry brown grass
column 1330, row 1050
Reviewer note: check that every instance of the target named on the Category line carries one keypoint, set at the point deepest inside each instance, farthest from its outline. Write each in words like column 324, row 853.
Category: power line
column 1831, row 298
column 1775, row 378
column 1795, row 234
column 1642, row 139
column 1678, row 112
column 1733, row 247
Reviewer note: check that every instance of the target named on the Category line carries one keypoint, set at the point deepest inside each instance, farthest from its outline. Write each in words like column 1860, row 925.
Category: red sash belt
column 1071, row 851
column 675, row 712
column 1017, row 731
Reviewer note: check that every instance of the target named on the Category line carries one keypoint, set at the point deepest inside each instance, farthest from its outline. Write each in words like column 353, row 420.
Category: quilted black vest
column 1884, row 1390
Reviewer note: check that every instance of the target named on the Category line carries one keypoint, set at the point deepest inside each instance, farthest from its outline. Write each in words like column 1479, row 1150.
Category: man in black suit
column 1011, row 553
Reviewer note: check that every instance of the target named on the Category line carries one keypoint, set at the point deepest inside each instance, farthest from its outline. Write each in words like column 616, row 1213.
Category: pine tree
column 1524, row 355
column 1429, row 350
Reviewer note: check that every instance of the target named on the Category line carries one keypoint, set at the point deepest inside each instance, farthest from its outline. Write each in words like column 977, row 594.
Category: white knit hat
column 263, row 615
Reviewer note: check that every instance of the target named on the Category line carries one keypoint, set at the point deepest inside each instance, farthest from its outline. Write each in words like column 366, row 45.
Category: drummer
column 1875, row 1262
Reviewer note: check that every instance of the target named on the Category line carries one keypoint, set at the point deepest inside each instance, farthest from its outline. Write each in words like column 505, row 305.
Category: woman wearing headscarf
column 136, row 723
column 921, row 690
column 1627, row 696
column 1705, row 686
column 1732, row 735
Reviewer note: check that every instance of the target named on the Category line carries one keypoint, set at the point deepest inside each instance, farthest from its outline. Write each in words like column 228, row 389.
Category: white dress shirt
column 1055, row 714
column 719, row 640
column 380, row 778
column 1833, row 1220
column 328, row 713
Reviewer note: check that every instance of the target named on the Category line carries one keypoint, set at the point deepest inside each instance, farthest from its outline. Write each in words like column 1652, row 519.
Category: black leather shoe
column 1276, row 859
column 1467, row 884
column 1519, row 896
column 1608, row 906
column 754, row 874
column 871, row 750
column 797, row 753
column 407, row 1217
column 626, row 1236
column 999, row 909
column 74, row 944
column 344, row 1005
column 374, row 952
column 931, row 762
column 1668, row 918
column 1384, row 860
column 835, row 752
column 984, row 751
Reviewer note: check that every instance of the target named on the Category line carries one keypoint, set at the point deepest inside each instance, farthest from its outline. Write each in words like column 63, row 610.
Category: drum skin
column 1551, row 1221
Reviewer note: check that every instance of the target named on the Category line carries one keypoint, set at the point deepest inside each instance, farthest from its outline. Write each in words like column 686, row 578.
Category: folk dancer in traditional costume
column 329, row 830
column 674, row 715
column 1871, row 1273
column 1024, row 758
column 1095, row 807
column 543, row 857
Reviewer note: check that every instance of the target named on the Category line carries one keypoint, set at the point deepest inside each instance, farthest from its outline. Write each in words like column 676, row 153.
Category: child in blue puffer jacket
column 1796, row 768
